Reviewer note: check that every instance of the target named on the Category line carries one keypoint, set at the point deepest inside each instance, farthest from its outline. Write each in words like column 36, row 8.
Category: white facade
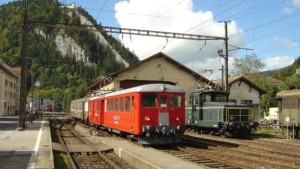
column 244, row 93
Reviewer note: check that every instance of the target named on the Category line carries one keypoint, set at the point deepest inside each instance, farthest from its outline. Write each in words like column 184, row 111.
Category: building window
column 6, row 82
column 247, row 102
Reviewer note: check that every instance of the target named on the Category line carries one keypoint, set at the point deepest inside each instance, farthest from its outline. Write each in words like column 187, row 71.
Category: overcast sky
column 268, row 28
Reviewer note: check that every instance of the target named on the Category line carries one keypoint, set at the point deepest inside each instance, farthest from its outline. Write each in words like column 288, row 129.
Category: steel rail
column 102, row 156
column 60, row 135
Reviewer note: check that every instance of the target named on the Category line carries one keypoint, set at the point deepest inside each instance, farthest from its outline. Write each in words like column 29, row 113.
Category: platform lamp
column 38, row 84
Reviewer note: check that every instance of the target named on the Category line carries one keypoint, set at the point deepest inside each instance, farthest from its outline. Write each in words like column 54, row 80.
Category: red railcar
column 153, row 114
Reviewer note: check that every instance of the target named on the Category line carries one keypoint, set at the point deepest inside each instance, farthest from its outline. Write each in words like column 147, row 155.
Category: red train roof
column 149, row 88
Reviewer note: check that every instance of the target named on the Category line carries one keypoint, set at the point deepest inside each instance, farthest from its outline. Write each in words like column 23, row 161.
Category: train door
column 163, row 118
column 101, row 113
column 91, row 111
column 97, row 112
column 194, row 104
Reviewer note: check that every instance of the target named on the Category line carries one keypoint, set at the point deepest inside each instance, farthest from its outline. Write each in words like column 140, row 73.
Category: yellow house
column 158, row 68
column 8, row 88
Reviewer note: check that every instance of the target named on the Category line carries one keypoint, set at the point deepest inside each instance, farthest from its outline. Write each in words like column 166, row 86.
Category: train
column 208, row 111
column 151, row 114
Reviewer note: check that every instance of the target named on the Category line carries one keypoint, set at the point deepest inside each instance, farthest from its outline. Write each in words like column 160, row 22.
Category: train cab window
column 206, row 98
column 149, row 100
column 122, row 104
column 117, row 104
column 127, row 103
column 175, row 100
column 163, row 101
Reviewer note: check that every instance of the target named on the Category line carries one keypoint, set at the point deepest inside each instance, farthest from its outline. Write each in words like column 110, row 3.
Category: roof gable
column 7, row 69
column 244, row 79
column 160, row 55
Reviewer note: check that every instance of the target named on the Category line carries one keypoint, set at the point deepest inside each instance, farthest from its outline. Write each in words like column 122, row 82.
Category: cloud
column 296, row 3
column 278, row 62
column 287, row 10
column 175, row 16
column 285, row 42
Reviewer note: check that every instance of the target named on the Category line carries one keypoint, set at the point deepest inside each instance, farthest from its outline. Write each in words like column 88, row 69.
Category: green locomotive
column 208, row 111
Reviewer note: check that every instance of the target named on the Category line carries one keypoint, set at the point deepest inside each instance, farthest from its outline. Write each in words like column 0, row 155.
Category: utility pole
column 226, row 57
column 23, row 82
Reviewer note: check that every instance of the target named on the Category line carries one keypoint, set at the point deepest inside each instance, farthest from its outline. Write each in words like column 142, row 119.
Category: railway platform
column 29, row 148
column 141, row 157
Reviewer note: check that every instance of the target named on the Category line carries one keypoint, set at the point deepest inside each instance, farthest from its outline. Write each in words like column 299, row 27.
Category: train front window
column 176, row 100
column 149, row 100
column 233, row 114
column 163, row 101
column 245, row 115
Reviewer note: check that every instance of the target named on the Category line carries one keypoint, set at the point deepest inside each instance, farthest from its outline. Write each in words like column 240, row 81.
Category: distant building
column 70, row 6
column 17, row 71
column 8, row 90
column 36, row 104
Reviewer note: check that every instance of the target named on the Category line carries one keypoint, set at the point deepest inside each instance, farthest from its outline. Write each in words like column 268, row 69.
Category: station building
column 8, row 90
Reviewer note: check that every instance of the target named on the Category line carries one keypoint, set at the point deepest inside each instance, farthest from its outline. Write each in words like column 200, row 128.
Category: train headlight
column 177, row 118
column 147, row 118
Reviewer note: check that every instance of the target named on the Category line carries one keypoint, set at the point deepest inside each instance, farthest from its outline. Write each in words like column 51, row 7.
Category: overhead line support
column 128, row 31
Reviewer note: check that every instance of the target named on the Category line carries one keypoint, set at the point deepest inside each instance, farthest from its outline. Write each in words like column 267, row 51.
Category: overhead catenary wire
column 101, row 9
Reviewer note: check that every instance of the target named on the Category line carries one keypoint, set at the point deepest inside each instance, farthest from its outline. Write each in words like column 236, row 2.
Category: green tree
column 248, row 65
column 269, row 99
column 292, row 82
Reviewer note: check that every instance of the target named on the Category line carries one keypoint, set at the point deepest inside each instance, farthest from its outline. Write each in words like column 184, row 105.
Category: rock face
column 68, row 47
column 102, row 40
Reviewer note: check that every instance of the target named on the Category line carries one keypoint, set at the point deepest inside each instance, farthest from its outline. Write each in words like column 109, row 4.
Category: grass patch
column 61, row 160
column 263, row 132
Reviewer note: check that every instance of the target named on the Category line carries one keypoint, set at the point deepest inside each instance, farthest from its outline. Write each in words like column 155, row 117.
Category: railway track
column 246, row 153
column 83, row 154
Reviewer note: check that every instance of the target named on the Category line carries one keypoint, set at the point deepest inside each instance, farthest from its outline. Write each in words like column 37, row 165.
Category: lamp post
column 38, row 84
